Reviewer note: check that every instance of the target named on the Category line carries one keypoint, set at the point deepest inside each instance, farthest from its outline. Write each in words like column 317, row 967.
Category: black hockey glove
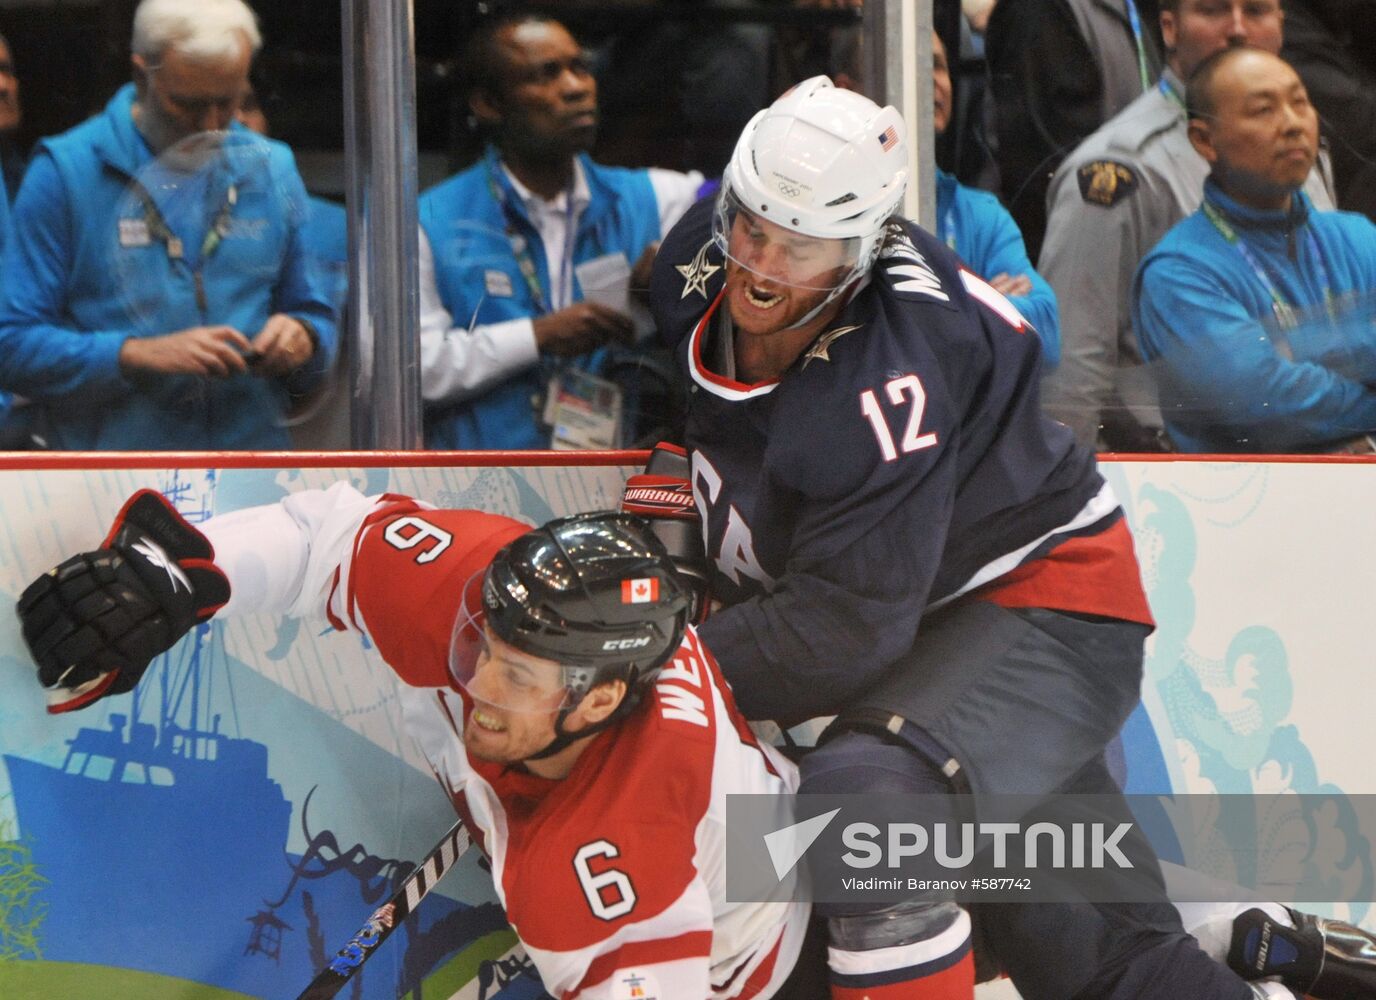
column 95, row 621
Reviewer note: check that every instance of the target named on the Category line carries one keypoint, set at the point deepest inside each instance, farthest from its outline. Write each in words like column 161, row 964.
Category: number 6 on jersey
column 912, row 440
column 594, row 883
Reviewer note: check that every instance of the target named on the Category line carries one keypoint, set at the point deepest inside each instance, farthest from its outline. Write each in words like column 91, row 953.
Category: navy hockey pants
column 1024, row 701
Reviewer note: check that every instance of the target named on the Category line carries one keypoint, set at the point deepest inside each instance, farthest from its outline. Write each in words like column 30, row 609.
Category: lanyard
column 162, row 232
column 948, row 226
column 520, row 248
column 1135, row 22
column 1170, row 93
column 1285, row 312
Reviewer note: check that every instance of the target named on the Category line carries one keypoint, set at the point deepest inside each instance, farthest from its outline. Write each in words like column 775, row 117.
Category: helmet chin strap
column 564, row 739
column 849, row 285
column 816, row 310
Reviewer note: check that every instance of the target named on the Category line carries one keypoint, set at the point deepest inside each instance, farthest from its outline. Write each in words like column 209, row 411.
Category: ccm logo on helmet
column 615, row 644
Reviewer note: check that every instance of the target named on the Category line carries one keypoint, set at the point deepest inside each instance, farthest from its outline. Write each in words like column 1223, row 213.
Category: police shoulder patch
column 1106, row 182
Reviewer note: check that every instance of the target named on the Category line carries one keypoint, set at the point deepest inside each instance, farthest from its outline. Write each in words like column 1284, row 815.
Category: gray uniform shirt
column 1102, row 22
column 1109, row 203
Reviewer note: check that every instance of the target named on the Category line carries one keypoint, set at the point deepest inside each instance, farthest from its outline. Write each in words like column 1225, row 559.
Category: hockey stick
column 386, row 917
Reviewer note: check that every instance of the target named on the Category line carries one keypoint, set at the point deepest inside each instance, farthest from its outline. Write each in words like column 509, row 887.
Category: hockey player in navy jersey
column 900, row 538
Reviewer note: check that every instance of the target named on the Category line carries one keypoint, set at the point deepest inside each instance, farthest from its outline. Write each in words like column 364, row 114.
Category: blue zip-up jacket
column 327, row 238
column 468, row 229
column 85, row 271
column 6, row 223
column 1232, row 377
column 7, row 416
column 975, row 225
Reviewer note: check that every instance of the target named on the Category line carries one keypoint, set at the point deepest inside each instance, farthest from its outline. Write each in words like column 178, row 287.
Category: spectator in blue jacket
column 1256, row 310
column 11, row 114
column 156, row 293
column 975, row 225
column 14, row 431
column 326, row 234
column 526, row 257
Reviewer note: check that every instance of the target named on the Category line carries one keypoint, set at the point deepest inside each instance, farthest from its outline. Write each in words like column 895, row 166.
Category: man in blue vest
column 13, row 421
column 527, row 256
column 11, row 163
column 157, row 294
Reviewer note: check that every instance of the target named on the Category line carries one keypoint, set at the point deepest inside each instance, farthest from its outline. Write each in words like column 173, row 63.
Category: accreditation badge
column 498, row 284
column 134, row 233
column 583, row 411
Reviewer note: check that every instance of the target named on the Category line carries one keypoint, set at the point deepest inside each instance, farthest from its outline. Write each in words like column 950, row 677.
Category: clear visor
column 774, row 253
column 498, row 675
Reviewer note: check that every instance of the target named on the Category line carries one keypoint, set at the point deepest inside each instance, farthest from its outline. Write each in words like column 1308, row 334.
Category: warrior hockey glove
column 663, row 495
column 94, row 622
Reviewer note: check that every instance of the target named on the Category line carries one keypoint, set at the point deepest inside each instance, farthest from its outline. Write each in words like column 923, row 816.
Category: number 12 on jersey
column 896, row 389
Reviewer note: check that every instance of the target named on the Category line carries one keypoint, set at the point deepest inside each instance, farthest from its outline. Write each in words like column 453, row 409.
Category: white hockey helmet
column 823, row 162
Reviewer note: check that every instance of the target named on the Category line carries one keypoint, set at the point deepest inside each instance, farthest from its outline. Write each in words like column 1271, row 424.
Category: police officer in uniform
column 1110, row 202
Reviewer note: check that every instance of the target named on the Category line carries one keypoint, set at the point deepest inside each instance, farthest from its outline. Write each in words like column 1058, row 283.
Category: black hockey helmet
column 596, row 593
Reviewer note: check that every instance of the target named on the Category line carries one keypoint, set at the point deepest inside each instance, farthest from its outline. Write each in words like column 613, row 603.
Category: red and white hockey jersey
column 614, row 877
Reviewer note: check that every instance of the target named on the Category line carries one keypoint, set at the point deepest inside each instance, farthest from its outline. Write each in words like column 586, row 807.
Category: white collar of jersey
column 579, row 190
column 724, row 386
column 723, row 352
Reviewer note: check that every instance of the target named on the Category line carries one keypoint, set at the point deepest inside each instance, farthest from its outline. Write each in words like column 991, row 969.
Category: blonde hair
column 201, row 30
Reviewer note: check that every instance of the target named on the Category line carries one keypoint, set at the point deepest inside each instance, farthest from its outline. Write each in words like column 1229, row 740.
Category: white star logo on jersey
column 695, row 275
column 820, row 346
column 156, row 555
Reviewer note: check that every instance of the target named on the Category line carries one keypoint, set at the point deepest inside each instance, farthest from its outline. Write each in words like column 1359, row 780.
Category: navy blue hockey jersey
column 902, row 461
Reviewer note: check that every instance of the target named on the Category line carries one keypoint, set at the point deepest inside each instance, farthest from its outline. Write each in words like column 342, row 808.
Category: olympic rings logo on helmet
column 855, row 156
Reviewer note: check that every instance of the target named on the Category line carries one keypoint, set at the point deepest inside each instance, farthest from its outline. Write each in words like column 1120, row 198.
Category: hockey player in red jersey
column 550, row 678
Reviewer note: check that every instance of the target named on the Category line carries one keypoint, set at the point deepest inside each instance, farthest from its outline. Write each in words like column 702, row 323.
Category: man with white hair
column 158, row 294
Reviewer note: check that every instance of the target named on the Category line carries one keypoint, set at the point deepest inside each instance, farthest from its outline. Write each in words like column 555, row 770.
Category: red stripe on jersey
column 336, row 622
column 957, row 982
column 702, row 371
column 1087, row 574
column 758, row 979
column 694, row 944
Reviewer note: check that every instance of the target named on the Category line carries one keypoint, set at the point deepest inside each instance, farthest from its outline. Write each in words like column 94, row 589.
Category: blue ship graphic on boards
column 164, row 841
